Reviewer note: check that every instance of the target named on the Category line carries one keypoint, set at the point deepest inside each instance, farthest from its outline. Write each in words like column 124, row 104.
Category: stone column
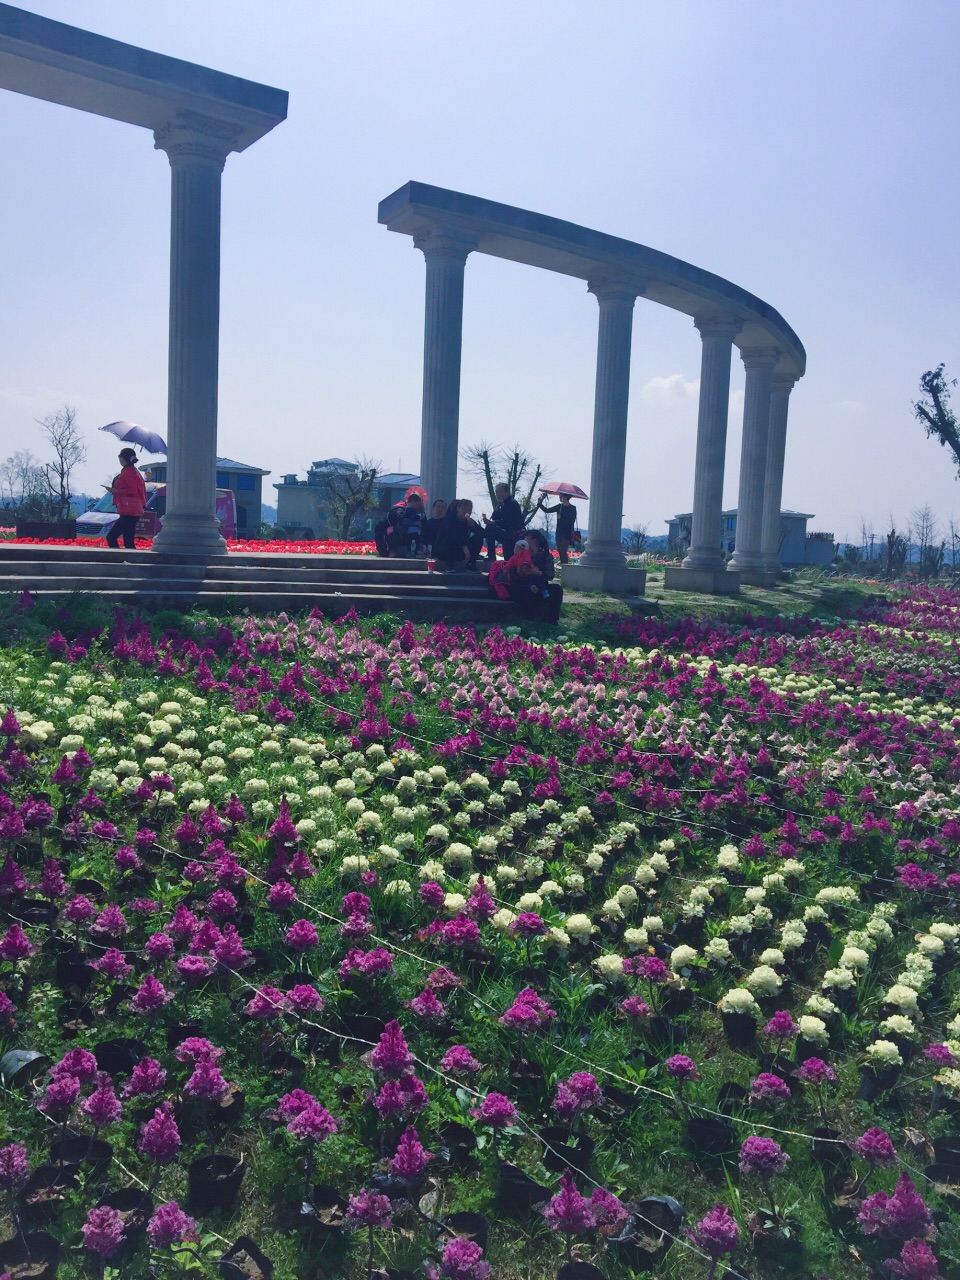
column 782, row 385
column 446, row 255
column 747, row 558
column 197, row 148
column 703, row 567
column 603, row 566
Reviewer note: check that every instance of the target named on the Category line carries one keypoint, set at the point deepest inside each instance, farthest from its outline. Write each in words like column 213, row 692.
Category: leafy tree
column 895, row 553
column 934, row 411
column 495, row 464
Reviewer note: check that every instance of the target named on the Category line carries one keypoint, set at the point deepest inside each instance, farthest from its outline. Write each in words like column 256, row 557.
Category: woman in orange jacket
column 130, row 498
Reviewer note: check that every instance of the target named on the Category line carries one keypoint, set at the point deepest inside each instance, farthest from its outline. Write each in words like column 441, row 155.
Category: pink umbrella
column 563, row 486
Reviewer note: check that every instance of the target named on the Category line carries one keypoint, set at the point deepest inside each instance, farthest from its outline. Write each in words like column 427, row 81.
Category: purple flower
column 876, row 1148
column 170, row 1225
column 463, row 1260
column 159, row 947
column 496, row 1110
column 411, row 1158
column 268, row 1002
column 195, row 968
column 391, row 1056
column 607, row 1209
column 110, row 923
column 368, row 1209
column 303, row 999
column 427, row 1007
column 150, row 996
column 313, row 1123
column 652, row 968
column 568, row 1211
column 302, row 935
column 103, row 1107
column 159, row 1136
column 917, row 1261
column 458, row 1060
column 528, row 925
column 400, row 1098
column 112, row 965
column 76, row 1062
column 767, row 1087
column 762, row 1156
column 634, row 1008
column 431, row 894
column 292, row 1103
column 282, row 896
column 902, row 1214
column 59, row 1096
column 816, row 1072
column 940, row 1055
column 103, row 1231
column 197, row 1049
column 15, row 945
column 529, row 1012
column 682, row 1068
column 207, row 1083
column 79, row 910
column 147, row 1077
column 716, row 1233
column 780, row 1027
column 14, row 1167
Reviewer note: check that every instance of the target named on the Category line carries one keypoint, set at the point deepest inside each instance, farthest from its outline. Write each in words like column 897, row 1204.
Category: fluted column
column 611, row 400
column 781, row 387
column 758, row 363
column 446, row 255
column 716, row 334
column 197, row 149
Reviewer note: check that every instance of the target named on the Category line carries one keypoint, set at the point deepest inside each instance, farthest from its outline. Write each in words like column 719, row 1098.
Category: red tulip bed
column 327, row 547
column 355, row 948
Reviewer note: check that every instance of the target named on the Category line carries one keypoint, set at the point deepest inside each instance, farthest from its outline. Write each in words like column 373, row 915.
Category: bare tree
column 495, row 464
column 935, row 414
column 347, row 492
column 69, row 452
column 895, row 552
column 21, row 477
column 635, row 539
column 954, row 529
column 924, row 529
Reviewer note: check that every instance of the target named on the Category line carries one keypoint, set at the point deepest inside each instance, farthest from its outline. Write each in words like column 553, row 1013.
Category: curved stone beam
column 540, row 241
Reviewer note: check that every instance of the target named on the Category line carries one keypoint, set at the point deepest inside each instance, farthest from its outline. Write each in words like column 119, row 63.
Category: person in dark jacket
column 566, row 514
column 505, row 525
column 459, row 538
column 431, row 527
column 537, row 595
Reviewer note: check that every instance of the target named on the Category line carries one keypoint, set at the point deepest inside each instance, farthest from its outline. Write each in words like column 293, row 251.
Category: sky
column 805, row 152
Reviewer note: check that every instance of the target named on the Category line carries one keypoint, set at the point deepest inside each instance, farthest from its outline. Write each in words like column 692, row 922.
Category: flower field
column 352, row 948
column 311, row 547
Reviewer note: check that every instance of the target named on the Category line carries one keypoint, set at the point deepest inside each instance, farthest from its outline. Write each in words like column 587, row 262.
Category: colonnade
column 603, row 565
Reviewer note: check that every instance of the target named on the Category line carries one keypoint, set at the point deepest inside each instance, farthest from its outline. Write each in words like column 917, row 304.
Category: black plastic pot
column 77, row 1149
column 72, row 973
column 562, row 1149
column 134, row 1206
column 648, row 1233
column 740, row 1029
column 663, row 1031
column 118, row 1057
column 947, row 1151
column 457, row 1142
column 46, row 1191
column 363, row 1025
column 286, row 1066
column 677, row 1001
column 244, row 1261
column 75, row 1018
column 20, row 1066
column 38, row 1260
column 946, row 1179
column 711, row 1135
column 517, row 1192
column 874, row 1083
column 177, row 1032
column 37, row 911
column 214, row 1182
column 468, row 1226
column 579, row 1271
column 525, row 1074
column 828, row 1147
column 732, row 1096
column 326, row 1209
column 776, row 1250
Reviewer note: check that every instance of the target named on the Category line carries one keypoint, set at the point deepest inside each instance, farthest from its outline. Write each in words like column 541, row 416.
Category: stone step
column 218, row 571
column 433, row 587
column 19, row 552
column 419, row 607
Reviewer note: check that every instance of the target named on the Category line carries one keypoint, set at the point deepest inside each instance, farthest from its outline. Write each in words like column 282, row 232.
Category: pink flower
column 496, row 1110
column 312, row 1124
column 110, row 923
column 607, row 1209
column 159, row 947
column 816, row 1072
column 634, row 1008
column 411, row 1159
column 368, row 1209
column 292, row 1103
column 528, row 1012
column 575, row 1096
column 917, row 1261
column 268, row 1002
column 103, row 1107
column 716, row 1233
column 463, row 1260
column 159, row 1137
column 902, row 1214
column 197, row 1049
column 458, row 1060
column 940, row 1055
column 568, row 1211
column 15, row 945
column 682, row 1068
column 403, row 1097
column 59, row 1096
column 876, row 1147
column 427, row 1007
column 76, row 1062
column 195, row 968
column 112, row 965
column 147, row 1077
column 780, row 1027
column 207, row 1083
column 391, row 1056
column 282, row 896
column 528, row 925
column 303, row 999
column 14, row 1167
column 762, row 1156
column 103, row 1231
column 79, row 909
column 150, row 996
column 767, row 1087
column 302, row 935
column 431, row 894
column 170, row 1225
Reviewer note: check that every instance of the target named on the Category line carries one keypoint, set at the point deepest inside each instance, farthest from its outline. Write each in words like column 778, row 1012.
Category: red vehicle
column 98, row 522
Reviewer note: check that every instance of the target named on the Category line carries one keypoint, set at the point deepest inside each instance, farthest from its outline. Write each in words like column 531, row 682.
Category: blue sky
column 804, row 151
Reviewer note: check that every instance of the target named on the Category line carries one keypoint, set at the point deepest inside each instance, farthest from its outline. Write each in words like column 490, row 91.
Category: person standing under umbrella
column 566, row 514
column 130, row 498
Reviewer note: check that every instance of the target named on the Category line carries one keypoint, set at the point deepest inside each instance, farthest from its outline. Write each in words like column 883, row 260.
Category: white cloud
column 671, row 388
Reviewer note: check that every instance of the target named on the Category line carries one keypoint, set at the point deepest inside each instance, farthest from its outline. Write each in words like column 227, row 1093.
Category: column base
column 758, row 577
column 616, row 579
column 707, row 582
column 195, row 535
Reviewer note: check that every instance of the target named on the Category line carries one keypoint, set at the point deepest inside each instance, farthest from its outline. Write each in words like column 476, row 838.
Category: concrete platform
column 760, row 577
column 261, row 581
column 707, row 582
column 617, row 580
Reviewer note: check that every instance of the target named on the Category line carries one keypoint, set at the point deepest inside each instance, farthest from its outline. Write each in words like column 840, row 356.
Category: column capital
column 760, row 357
column 784, row 382
column 189, row 137
column 444, row 242
column 617, row 288
column 720, row 326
